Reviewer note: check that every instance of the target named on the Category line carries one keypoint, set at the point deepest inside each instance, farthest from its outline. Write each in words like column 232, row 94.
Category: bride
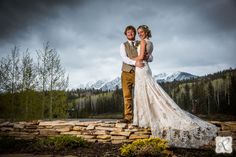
column 154, row 108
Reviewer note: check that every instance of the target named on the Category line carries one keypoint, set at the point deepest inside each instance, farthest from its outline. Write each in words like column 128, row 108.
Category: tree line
column 32, row 89
column 36, row 89
column 211, row 94
column 207, row 95
column 92, row 102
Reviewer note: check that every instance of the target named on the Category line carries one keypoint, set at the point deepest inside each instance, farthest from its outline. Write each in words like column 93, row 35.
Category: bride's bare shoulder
column 143, row 41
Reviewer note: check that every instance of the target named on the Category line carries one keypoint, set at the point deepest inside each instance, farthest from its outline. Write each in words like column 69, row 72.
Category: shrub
column 59, row 143
column 6, row 142
column 145, row 147
column 9, row 143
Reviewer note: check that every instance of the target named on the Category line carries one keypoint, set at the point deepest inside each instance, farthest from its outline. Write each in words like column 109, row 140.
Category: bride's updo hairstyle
column 146, row 30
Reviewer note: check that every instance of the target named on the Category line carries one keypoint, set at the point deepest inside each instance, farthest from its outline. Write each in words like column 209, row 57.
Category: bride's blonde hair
column 146, row 30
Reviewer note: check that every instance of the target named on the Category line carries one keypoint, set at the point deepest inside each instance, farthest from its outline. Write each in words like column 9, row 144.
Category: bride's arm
column 142, row 54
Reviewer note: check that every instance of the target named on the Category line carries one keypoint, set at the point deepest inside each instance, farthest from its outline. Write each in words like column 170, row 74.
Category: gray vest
column 131, row 52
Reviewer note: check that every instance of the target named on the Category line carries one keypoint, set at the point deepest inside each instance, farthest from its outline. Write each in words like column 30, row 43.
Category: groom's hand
column 147, row 55
column 139, row 64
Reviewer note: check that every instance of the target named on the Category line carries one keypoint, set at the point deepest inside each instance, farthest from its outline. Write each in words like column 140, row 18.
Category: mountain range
column 112, row 84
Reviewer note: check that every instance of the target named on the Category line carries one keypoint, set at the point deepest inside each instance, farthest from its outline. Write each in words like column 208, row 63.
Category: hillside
column 207, row 95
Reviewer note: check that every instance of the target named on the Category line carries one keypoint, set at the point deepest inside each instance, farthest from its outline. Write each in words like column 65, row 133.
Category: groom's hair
column 130, row 27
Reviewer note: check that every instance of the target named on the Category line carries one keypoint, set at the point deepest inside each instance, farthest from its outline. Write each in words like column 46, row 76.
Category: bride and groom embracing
column 146, row 104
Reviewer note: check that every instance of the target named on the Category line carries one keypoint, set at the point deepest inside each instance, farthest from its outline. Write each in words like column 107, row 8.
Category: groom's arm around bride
column 128, row 51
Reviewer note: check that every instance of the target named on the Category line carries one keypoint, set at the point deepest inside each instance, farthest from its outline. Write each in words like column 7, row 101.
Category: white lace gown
column 154, row 108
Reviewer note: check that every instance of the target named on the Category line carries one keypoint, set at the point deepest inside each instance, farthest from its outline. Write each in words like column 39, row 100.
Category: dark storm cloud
column 197, row 36
column 221, row 14
column 19, row 15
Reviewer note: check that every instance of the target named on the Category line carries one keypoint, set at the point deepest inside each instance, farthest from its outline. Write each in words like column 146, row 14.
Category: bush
column 59, row 143
column 145, row 147
column 6, row 142
column 9, row 144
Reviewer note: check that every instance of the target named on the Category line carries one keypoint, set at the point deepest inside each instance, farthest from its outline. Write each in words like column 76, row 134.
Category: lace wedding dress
column 154, row 108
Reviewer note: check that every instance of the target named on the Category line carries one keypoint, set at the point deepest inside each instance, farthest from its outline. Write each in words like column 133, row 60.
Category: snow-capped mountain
column 111, row 85
column 94, row 84
column 178, row 76
column 162, row 77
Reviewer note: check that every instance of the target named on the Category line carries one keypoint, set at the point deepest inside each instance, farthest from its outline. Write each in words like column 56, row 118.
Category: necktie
column 132, row 43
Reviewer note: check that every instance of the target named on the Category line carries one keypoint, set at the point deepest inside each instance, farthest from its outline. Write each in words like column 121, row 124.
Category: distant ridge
column 114, row 83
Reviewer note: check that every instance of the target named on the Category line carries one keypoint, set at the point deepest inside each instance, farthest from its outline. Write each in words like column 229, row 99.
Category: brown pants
column 127, row 80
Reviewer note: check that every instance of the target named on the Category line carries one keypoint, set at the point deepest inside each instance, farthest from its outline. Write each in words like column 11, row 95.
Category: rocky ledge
column 93, row 130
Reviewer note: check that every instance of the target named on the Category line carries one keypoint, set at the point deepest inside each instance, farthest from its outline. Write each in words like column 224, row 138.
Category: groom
column 128, row 51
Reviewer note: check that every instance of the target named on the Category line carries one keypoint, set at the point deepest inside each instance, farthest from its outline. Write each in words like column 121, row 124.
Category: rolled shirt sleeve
column 124, row 56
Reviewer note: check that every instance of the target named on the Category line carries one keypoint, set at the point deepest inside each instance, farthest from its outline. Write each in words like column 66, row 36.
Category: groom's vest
column 131, row 52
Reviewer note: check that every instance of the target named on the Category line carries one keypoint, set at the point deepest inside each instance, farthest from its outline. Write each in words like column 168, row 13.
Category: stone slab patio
column 94, row 130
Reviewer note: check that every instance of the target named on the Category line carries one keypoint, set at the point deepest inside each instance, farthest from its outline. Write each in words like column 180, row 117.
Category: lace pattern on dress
column 154, row 108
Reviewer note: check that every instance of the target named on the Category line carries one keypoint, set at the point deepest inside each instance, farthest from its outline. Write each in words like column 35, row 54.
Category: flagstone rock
column 35, row 122
column 34, row 133
column 56, row 123
column 133, row 136
column 87, row 123
column 19, row 126
column 131, row 130
column 88, row 132
column 230, row 122
column 118, row 137
column 41, row 127
column 131, row 126
column 120, row 133
column 4, row 129
column 225, row 133
column 87, row 136
column 31, row 126
column 231, row 125
column 79, row 128
column 46, row 123
column 6, row 124
column 217, row 123
column 101, row 132
column 104, row 137
column 90, row 127
column 46, row 132
column 142, row 133
column 17, row 130
column 225, row 127
column 94, row 131
column 29, row 130
column 121, row 125
column 12, row 133
column 62, row 126
column 107, row 125
column 105, row 128
column 104, row 141
column 65, row 129
column 24, row 133
column 108, row 122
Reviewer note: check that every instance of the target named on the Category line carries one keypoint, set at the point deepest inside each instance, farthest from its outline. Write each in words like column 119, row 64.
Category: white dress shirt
column 126, row 59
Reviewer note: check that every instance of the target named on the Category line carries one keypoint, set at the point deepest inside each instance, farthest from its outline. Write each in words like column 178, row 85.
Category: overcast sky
column 195, row 36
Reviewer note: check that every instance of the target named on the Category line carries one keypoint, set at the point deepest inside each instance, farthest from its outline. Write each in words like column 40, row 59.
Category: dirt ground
column 103, row 150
